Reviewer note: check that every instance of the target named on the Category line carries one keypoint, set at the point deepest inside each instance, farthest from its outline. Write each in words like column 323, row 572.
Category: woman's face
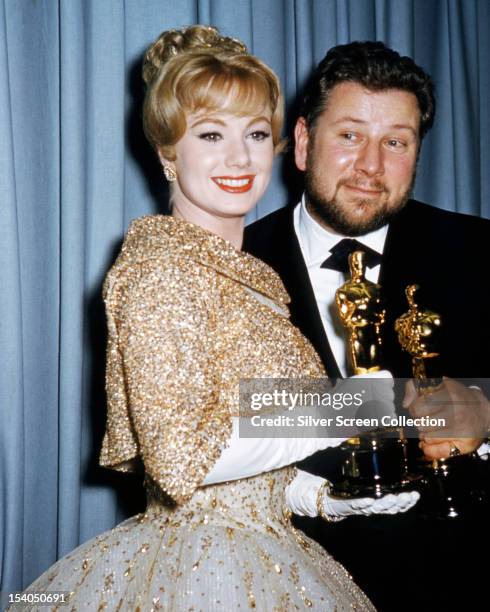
column 223, row 165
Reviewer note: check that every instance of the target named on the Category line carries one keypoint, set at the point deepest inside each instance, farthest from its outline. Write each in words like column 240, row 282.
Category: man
column 365, row 113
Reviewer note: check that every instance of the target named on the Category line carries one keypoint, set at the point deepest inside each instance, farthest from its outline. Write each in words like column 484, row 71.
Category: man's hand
column 466, row 412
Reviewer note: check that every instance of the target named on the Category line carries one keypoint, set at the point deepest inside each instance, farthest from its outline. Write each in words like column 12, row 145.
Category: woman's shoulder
column 156, row 261
column 152, row 242
column 149, row 237
column 175, row 248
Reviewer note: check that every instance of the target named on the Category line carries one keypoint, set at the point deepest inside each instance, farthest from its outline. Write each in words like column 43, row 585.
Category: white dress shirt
column 315, row 243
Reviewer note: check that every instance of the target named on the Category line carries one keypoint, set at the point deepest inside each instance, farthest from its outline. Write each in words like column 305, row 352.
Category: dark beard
column 331, row 214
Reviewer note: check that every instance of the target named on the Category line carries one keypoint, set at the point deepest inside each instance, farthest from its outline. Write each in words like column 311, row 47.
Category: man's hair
column 377, row 68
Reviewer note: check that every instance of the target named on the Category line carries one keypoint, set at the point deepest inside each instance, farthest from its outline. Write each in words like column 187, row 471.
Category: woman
column 190, row 315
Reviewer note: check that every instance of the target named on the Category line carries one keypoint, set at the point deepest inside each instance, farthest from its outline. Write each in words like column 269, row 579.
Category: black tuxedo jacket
column 446, row 254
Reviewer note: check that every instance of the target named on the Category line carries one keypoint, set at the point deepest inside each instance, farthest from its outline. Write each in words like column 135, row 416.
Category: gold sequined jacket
column 189, row 316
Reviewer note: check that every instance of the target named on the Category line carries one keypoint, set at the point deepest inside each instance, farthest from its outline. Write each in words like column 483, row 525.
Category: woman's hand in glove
column 307, row 495
column 388, row 504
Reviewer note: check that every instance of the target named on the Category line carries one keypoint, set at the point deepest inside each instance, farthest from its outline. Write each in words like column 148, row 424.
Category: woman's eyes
column 256, row 135
column 259, row 135
column 210, row 136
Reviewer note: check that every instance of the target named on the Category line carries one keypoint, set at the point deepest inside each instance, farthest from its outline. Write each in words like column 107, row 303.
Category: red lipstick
column 234, row 184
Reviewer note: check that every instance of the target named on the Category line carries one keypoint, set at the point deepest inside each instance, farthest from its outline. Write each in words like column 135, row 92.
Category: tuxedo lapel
column 277, row 244
column 304, row 309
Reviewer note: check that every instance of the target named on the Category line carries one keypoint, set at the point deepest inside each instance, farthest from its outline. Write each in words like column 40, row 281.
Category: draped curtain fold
column 74, row 170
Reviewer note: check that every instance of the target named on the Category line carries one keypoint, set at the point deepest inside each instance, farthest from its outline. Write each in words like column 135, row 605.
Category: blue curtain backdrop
column 74, row 170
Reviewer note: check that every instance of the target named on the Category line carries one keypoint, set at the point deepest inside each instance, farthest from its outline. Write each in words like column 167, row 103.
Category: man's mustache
column 361, row 183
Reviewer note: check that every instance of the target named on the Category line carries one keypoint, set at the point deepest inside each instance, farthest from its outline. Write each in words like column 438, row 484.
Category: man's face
column 360, row 157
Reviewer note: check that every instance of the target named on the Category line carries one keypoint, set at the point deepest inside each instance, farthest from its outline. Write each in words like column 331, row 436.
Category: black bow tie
column 339, row 259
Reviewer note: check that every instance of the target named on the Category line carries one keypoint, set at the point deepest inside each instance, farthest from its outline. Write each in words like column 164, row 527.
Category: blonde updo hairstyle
column 196, row 69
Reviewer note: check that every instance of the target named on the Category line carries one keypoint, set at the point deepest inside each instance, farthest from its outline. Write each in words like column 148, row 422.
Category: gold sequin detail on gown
column 189, row 316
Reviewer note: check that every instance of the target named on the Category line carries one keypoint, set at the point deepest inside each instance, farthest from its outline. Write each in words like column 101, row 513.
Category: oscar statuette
column 361, row 312
column 375, row 462
column 450, row 487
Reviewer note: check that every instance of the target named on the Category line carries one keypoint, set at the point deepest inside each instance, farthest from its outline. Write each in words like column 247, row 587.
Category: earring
column 170, row 173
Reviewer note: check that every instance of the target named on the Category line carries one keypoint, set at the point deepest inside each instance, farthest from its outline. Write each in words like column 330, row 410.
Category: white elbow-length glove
column 245, row 457
column 307, row 495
